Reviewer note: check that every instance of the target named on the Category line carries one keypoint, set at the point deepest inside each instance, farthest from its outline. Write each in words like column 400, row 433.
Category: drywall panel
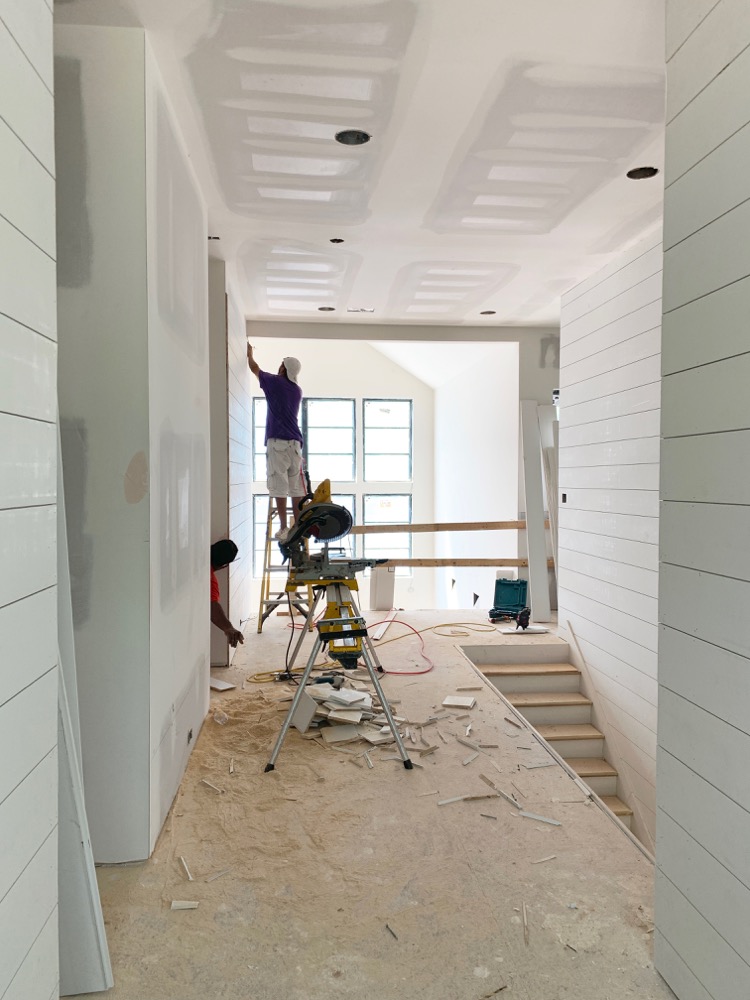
column 27, row 541
column 179, row 449
column 706, row 330
column 704, row 674
column 714, row 531
column 713, row 116
column 706, row 469
column 29, row 202
column 644, row 555
column 105, row 431
column 27, row 360
column 721, row 388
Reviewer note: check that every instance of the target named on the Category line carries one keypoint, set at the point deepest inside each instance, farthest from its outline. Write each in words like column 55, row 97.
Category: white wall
column 356, row 370
column 134, row 408
column 476, row 470
column 28, row 464
column 217, row 354
column 610, row 335
column 703, row 877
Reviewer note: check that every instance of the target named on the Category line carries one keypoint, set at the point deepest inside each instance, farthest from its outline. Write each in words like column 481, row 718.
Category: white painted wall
column 702, row 941
column 28, row 490
column 217, row 355
column 356, row 370
column 134, row 407
column 476, row 470
column 610, row 336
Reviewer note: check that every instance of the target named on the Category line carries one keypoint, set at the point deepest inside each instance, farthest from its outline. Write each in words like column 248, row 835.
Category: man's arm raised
column 253, row 364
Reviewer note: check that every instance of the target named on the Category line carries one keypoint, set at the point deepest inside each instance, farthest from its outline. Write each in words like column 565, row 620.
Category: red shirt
column 215, row 592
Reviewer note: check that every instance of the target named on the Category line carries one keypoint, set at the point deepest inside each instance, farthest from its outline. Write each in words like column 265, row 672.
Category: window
column 328, row 430
column 260, row 520
column 387, row 440
column 388, row 508
column 260, row 409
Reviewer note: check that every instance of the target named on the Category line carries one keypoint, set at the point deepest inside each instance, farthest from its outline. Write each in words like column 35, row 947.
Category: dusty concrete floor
column 323, row 854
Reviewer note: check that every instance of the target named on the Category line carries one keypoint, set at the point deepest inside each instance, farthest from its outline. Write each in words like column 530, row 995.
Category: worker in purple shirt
column 283, row 436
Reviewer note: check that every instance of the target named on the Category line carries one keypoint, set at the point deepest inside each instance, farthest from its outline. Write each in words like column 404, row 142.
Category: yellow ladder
column 268, row 603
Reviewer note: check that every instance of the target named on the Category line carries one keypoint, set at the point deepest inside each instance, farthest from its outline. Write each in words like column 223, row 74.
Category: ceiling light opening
column 353, row 137
column 326, row 309
column 488, row 312
column 642, row 173
column 336, row 239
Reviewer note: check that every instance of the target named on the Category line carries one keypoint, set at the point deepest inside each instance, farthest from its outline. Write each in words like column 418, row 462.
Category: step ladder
column 301, row 601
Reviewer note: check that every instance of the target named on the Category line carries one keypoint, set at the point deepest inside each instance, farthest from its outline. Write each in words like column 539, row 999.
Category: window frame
column 304, row 426
column 410, row 453
column 400, row 570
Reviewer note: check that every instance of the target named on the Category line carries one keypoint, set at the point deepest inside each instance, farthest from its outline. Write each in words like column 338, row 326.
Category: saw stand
column 344, row 631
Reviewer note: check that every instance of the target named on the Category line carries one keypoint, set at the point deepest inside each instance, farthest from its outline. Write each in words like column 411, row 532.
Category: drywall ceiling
column 438, row 363
column 495, row 176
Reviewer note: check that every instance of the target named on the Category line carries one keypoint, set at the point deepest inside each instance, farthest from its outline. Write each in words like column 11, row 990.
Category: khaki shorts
column 284, row 468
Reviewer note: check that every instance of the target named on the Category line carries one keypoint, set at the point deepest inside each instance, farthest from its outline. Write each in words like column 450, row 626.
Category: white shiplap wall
column 28, row 463
column 610, row 335
column 702, row 937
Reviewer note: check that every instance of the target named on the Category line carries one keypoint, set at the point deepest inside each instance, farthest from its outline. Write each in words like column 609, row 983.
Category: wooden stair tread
column 534, row 699
column 618, row 807
column 592, row 767
column 531, row 669
column 572, row 731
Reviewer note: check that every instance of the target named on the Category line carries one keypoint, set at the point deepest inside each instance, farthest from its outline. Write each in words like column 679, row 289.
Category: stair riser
column 627, row 820
column 602, row 786
column 519, row 652
column 511, row 683
column 578, row 748
column 556, row 714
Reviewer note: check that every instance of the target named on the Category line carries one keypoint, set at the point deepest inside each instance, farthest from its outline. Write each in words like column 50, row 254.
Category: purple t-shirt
column 283, row 397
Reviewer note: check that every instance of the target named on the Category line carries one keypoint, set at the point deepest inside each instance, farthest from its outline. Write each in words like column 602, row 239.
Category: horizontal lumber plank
column 387, row 529
column 459, row 562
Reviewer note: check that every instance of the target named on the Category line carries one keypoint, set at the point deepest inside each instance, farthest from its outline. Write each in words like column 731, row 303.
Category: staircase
column 548, row 696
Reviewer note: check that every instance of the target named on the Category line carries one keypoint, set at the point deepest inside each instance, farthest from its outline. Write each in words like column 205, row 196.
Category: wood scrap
column 184, row 864
column 426, row 751
column 489, row 746
column 421, row 795
column 467, row 743
column 508, row 798
column 231, row 765
column 487, row 816
column 540, row 819
column 470, row 758
column 391, row 932
column 539, row 861
column 205, row 781
column 513, row 722
column 494, row 993
column 442, row 737
column 183, row 904
column 525, row 925
column 456, row 701
column 456, row 798
column 519, row 790
column 369, row 761
column 212, row 878
column 471, row 687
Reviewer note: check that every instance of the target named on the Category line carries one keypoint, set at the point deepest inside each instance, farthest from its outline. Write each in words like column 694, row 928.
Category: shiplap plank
column 30, row 24
column 628, row 276
column 714, row 963
column 28, row 731
column 591, row 630
column 713, row 819
column 627, row 626
column 707, row 330
column 28, row 290
column 642, row 555
column 28, row 541
column 712, row 608
column 713, row 257
column 613, row 268
column 632, row 452
column 675, row 972
column 625, row 526
column 721, row 898
column 648, row 317
column 713, row 187
column 642, row 581
column 683, row 17
column 642, row 345
column 37, row 976
column 716, row 533
column 615, row 477
column 612, row 594
column 622, row 304
column 27, row 817
column 24, row 662
column 709, row 399
column 710, row 468
column 710, row 119
column 639, row 734
column 27, row 191
column 644, row 503
column 28, row 372
column 640, row 793
column 28, row 462
column 704, row 674
column 708, row 745
column 26, row 908
column 28, row 106
column 609, row 669
column 628, row 376
column 617, row 404
column 627, row 428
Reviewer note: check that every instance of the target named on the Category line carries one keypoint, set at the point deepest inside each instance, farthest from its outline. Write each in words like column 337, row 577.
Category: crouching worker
column 222, row 554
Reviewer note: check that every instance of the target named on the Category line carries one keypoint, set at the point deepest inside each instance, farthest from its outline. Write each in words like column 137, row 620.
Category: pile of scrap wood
column 343, row 715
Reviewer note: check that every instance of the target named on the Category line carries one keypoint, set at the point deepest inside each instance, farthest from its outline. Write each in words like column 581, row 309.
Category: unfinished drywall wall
column 178, row 414
column 134, row 407
column 702, row 943
column 609, row 506
column 355, row 370
column 28, row 491
column 476, row 471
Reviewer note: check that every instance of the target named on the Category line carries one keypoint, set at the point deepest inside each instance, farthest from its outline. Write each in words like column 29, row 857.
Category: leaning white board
column 531, row 630
column 536, row 537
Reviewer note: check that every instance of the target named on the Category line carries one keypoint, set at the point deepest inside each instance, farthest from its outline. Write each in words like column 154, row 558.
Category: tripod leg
column 293, row 707
column 308, row 627
column 387, row 710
